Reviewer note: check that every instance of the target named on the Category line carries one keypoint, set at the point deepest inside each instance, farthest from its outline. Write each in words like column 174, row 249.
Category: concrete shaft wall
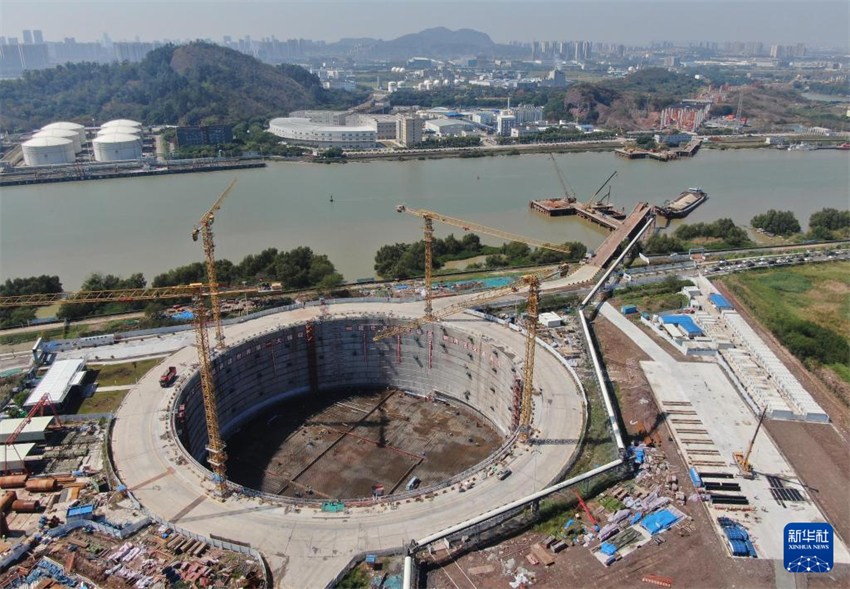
column 255, row 374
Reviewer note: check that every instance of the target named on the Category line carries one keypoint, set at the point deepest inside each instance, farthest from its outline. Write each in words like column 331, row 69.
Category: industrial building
column 45, row 151
column 408, row 130
column 13, row 456
column 504, row 124
column 204, row 135
column 58, row 383
column 384, row 125
column 305, row 132
column 448, row 127
column 116, row 147
column 324, row 117
column 34, row 431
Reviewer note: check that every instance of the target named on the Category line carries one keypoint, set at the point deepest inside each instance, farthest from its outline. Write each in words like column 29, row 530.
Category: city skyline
column 768, row 22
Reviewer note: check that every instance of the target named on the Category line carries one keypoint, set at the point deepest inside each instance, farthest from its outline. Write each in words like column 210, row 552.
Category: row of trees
column 782, row 223
column 399, row 261
column 826, row 224
column 294, row 269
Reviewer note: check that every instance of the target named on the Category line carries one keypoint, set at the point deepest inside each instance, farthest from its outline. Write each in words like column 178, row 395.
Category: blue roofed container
column 80, row 512
column 685, row 322
column 628, row 309
column 695, row 478
column 739, row 548
column 720, row 302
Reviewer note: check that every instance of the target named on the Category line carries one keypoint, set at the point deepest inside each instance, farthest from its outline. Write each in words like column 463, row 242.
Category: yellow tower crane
column 215, row 447
column 204, row 229
column 530, row 282
column 429, row 217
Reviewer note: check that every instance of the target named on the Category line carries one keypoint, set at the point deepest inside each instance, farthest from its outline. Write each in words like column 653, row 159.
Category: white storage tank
column 43, row 151
column 76, row 127
column 116, row 147
column 119, row 130
column 122, row 123
column 66, row 133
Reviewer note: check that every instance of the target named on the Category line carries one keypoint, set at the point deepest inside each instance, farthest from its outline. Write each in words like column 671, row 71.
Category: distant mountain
column 436, row 42
column 189, row 84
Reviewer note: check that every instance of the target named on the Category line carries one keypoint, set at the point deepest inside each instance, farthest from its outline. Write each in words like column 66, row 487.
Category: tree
column 13, row 317
column 663, row 244
column 516, row 250
column 495, row 261
column 471, row 242
column 98, row 281
column 546, row 256
column 829, row 223
column 777, row 222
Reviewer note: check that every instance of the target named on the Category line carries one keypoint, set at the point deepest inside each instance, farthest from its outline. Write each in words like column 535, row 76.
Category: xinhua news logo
column 808, row 548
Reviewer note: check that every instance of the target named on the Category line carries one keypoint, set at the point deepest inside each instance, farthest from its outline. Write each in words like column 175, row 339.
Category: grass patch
column 653, row 298
column 806, row 307
column 104, row 402
column 126, row 373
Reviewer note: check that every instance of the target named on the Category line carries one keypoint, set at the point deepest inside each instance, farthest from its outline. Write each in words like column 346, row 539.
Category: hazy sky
column 814, row 23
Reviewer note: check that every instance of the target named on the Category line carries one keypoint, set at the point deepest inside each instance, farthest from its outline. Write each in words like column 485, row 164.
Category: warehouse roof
column 15, row 452
column 686, row 322
column 36, row 424
column 719, row 301
column 58, row 381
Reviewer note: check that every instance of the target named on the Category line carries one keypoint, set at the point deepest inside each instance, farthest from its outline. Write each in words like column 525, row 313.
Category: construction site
column 408, row 436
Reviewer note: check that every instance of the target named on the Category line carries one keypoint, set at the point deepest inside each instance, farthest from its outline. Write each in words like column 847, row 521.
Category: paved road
column 308, row 548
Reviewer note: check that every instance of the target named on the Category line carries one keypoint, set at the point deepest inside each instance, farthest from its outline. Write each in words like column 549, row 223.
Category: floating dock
column 604, row 215
column 666, row 155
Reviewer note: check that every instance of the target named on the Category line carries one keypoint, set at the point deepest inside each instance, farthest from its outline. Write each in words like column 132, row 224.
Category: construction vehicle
column 198, row 292
column 525, row 388
column 204, row 230
column 599, row 206
column 168, row 377
column 430, row 216
column 743, row 459
column 569, row 194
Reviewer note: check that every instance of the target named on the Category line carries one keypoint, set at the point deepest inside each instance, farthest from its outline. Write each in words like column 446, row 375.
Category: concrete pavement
column 305, row 547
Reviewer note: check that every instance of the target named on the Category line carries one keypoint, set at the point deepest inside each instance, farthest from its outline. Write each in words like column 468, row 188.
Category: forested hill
column 188, row 84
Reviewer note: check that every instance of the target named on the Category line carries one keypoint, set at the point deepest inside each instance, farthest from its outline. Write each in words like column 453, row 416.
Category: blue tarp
column 686, row 322
column 635, row 518
column 696, row 479
column 658, row 521
column 719, row 301
column 183, row 316
column 607, row 548
column 639, row 456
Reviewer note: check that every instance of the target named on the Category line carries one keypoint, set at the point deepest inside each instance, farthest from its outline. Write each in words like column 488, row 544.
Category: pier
column 666, row 155
column 624, row 231
column 599, row 214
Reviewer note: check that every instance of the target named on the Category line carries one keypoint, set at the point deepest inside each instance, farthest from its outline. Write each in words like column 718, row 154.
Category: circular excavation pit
column 344, row 444
column 318, row 411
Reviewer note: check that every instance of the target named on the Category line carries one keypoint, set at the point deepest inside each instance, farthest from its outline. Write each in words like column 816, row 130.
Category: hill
column 435, row 42
column 630, row 103
column 188, row 84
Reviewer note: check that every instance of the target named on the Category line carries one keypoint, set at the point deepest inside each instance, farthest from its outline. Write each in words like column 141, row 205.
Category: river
column 144, row 225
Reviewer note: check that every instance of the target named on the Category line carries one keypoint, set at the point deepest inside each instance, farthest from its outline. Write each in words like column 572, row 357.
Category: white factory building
column 13, row 456
column 305, row 132
column 60, row 379
column 34, row 431
column 448, row 127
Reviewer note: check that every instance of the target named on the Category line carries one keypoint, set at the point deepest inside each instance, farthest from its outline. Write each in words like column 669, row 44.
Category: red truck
column 168, row 377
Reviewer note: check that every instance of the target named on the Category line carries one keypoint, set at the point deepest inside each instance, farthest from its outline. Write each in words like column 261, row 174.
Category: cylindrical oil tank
column 117, row 147
column 42, row 151
column 119, row 131
column 20, row 506
column 122, row 123
column 66, row 133
column 6, row 501
column 17, row 481
column 76, row 127
column 45, row 485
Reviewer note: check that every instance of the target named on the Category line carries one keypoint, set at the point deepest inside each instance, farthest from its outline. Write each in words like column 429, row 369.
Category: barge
column 686, row 202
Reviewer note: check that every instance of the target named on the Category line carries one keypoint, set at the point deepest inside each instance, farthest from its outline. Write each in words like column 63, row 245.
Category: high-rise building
column 504, row 123
column 408, row 130
column 37, row 36
column 527, row 113
column 27, row 37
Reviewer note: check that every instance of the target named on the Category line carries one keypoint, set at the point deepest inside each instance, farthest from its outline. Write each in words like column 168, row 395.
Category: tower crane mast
column 204, row 230
column 531, row 282
column 215, row 446
column 428, row 218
